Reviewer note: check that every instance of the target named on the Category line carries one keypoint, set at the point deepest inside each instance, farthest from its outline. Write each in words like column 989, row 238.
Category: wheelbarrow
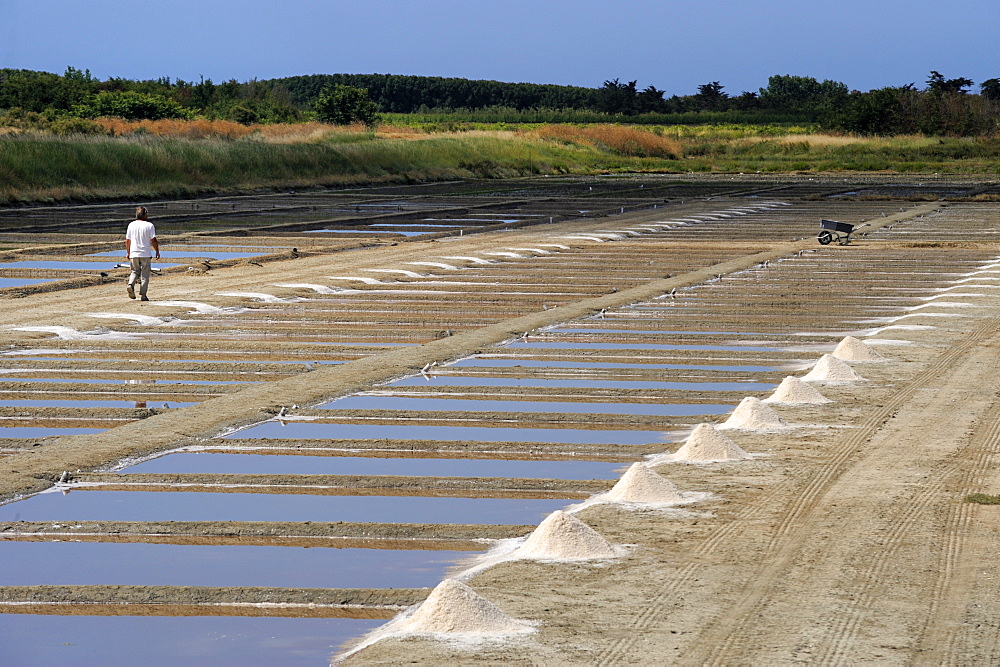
column 831, row 230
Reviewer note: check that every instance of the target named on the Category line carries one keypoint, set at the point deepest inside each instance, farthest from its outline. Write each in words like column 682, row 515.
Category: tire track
column 941, row 628
column 723, row 639
column 727, row 631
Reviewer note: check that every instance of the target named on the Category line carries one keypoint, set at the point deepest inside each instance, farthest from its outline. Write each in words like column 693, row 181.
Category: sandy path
column 854, row 548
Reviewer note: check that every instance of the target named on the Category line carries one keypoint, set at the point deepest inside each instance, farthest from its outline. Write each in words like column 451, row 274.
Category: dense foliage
column 61, row 104
column 408, row 94
column 345, row 105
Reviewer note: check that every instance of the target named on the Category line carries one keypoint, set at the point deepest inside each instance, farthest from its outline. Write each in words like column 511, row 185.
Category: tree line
column 942, row 106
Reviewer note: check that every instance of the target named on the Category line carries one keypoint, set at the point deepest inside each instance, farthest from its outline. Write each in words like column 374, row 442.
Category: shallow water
column 159, row 381
column 533, row 363
column 137, row 564
column 80, row 505
column 249, row 464
column 86, row 403
column 650, row 332
column 637, row 346
column 249, row 363
column 189, row 253
column 297, row 429
column 42, row 431
column 365, row 231
column 30, row 639
column 403, row 225
column 21, row 282
column 473, row 381
column 56, row 264
column 573, row 407
column 9, row 378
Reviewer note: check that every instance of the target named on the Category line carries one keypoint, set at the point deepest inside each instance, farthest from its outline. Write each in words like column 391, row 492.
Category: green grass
column 35, row 167
column 982, row 499
column 501, row 117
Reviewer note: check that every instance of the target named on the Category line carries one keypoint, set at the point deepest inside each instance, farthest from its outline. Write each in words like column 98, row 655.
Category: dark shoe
column 131, row 291
column 143, row 298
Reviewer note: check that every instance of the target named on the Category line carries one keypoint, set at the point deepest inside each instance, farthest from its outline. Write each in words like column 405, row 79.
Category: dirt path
column 855, row 568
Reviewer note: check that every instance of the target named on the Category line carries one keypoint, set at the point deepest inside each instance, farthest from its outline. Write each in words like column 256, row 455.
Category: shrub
column 66, row 126
column 344, row 105
column 618, row 139
column 130, row 106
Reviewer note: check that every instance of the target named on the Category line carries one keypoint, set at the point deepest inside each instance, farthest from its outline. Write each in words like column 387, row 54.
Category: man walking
column 140, row 244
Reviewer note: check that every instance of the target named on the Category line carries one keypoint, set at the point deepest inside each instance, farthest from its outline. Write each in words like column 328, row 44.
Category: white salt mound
column 453, row 607
column 752, row 415
column 793, row 391
column 831, row 370
column 852, row 349
column 706, row 444
column 562, row 536
column 639, row 484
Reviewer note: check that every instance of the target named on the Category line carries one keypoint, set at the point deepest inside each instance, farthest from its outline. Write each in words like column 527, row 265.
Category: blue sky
column 674, row 45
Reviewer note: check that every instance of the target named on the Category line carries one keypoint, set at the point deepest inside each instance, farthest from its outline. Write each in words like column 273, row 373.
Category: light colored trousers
column 141, row 268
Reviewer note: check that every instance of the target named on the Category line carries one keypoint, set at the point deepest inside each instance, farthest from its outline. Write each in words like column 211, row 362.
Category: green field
column 36, row 166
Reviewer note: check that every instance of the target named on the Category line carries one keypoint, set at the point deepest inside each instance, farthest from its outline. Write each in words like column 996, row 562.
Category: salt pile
column 831, row 370
column 752, row 415
column 705, row 444
column 639, row 484
column 454, row 608
column 793, row 391
column 562, row 536
column 852, row 349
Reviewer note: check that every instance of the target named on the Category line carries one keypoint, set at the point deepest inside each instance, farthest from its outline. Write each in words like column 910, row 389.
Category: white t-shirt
column 140, row 234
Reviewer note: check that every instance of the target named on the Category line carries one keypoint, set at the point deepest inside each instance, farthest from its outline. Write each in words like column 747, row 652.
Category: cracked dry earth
column 592, row 340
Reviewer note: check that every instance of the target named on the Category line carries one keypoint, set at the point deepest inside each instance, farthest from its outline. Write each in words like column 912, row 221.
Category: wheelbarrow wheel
column 824, row 238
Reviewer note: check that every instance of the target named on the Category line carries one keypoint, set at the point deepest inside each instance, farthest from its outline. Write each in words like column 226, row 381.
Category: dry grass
column 224, row 129
column 619, row 139
column 301, row 132
column 185, row 129
column 822, row 140
column 397, row 132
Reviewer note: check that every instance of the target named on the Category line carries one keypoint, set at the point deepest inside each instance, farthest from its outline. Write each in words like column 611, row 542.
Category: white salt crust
column 639, row 484
column 453, row 612
column 561, row 536
column 793, row 391
column 853, row 349
column 705, row 444
column 752, row 415
column 831, row 370
column 452, row 607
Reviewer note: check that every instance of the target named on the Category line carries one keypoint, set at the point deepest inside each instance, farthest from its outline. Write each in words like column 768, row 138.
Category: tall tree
column 803, row 94
column 711, row 98
column 616, row 97
column 650, row 100
column 938, row 84
column 343, row 105
column 990, row 89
